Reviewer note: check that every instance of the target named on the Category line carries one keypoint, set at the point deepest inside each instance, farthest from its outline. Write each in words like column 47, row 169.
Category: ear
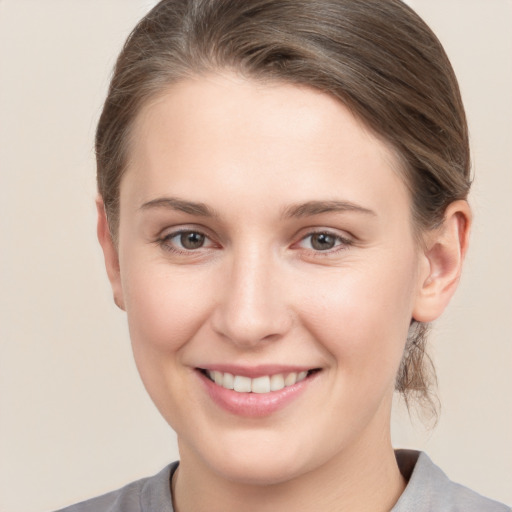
column 110, row 254
column 441, row 262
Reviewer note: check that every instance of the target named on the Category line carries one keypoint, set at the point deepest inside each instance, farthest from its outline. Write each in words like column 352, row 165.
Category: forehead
column 285, row 140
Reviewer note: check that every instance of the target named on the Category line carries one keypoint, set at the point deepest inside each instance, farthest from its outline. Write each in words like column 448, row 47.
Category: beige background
column 74, row 419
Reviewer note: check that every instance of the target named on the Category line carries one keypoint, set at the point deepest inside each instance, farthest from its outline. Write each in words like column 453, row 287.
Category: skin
column 259, row 292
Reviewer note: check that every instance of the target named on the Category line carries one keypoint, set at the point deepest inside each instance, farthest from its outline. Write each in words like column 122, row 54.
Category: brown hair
column 376, row 56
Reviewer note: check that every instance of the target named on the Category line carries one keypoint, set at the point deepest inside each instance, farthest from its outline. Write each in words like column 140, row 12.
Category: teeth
column 276, row 382
column 264, row 384
column 218, row 378
column 260, row 385
column 301, row 376
column 242, row 384
column 290, row 379
column 228, row 381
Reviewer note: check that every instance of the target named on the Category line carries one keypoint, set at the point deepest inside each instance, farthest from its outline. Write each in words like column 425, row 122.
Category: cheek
column 362, row 316
column 164, row 308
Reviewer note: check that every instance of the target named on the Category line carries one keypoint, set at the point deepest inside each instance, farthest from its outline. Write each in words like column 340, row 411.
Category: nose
column 252, row 306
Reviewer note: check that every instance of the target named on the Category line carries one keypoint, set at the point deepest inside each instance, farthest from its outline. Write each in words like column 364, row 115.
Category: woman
column 282, row 212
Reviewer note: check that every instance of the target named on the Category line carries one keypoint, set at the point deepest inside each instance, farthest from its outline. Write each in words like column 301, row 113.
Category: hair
column 378, row 57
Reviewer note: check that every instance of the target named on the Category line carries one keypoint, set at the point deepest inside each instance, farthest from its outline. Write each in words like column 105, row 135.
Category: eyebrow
column 318, row 207
column 173, row 203
column 308, row 209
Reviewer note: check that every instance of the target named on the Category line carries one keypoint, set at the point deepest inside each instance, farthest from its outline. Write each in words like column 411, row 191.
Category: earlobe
column 442, row 259
column 110, row 254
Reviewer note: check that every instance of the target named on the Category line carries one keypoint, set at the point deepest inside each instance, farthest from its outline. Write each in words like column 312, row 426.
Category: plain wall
column 74, row 419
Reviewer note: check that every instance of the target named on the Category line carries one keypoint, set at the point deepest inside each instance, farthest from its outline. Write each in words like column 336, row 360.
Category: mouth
column 256, row 392
column 261, row 385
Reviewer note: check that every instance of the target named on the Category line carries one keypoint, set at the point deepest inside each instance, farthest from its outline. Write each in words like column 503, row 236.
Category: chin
column 263, row 460
column 257, row 472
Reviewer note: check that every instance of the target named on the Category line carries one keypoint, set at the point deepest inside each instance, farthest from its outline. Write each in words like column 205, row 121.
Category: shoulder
column 145, row 495
column 429, row 489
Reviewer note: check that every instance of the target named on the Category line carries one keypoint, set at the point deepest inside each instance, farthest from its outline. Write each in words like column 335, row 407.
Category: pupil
column 322, row 241
column 192, row 240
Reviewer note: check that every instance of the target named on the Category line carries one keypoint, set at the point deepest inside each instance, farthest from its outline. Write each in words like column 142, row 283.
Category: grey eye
column 322, row 241
column 191, row 240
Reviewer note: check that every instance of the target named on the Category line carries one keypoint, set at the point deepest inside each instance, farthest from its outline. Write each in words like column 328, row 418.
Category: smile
column 257, row 391
column 263, row 384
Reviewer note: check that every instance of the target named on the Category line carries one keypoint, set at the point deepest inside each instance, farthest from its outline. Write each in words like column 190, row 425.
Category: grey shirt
column 428, row 490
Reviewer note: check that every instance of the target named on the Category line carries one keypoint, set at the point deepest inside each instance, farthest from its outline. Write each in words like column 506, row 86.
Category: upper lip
column 258, row 370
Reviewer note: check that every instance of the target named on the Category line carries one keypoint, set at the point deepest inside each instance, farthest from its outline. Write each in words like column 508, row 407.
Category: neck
column 364, row 477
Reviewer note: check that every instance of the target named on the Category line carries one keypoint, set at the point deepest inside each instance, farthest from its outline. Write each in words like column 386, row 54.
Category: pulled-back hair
column 376, row 56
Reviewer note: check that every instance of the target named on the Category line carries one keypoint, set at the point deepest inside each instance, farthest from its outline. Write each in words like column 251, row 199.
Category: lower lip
column 254, row 405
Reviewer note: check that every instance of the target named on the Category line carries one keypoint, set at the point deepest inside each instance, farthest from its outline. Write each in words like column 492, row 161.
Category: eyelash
column 341, row 243
column 167, row 245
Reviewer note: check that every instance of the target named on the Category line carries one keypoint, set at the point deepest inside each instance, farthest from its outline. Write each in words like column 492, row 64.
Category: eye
column 190, row 240
column 185, row 241
column 323, row 241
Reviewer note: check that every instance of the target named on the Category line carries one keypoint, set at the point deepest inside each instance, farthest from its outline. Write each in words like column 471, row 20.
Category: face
column 265, row 243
